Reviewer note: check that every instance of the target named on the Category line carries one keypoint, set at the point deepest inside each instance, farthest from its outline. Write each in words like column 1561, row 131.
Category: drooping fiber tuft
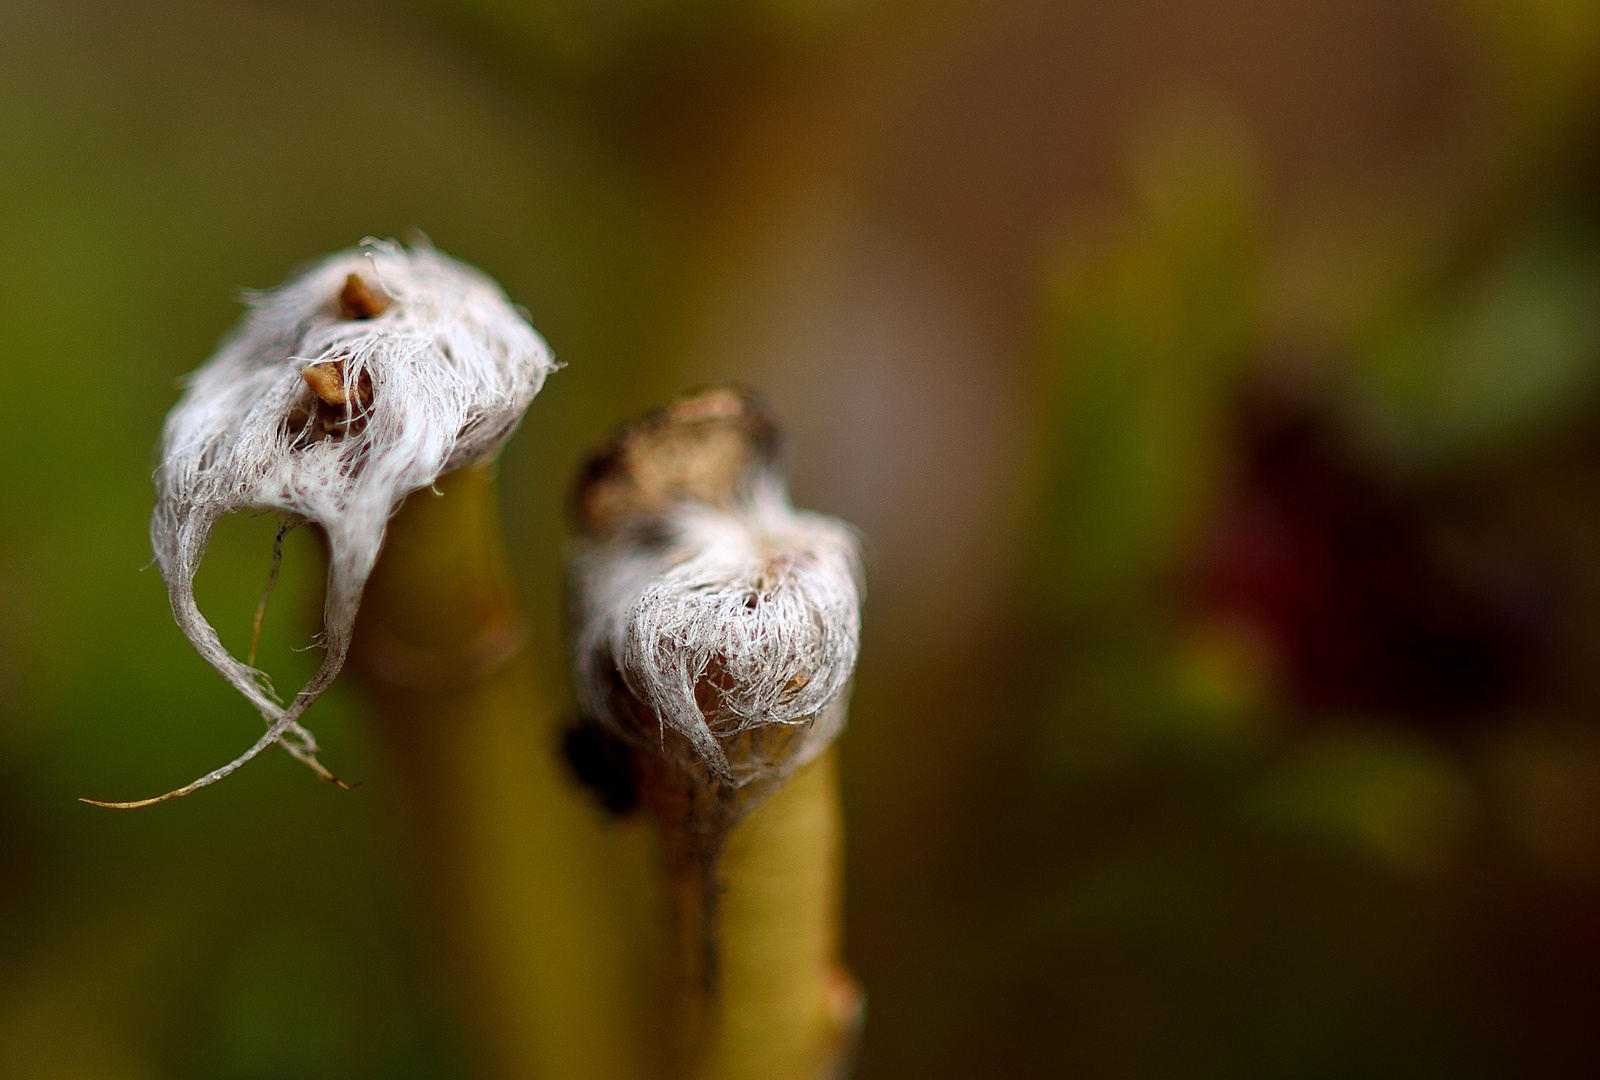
column 352, row 385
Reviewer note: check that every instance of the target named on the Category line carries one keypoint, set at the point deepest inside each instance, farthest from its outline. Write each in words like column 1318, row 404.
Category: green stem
column 514, row 857
column 763, row 993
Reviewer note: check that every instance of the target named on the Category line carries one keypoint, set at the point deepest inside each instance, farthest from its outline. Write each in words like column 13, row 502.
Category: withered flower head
column 355, row 383
column 713, row 622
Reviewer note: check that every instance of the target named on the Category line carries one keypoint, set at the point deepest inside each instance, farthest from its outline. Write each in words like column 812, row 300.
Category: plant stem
column 514, row 857
column 762, row 992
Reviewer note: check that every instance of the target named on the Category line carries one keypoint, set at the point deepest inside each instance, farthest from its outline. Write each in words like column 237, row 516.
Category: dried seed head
column 345, row 389
column 714, row 623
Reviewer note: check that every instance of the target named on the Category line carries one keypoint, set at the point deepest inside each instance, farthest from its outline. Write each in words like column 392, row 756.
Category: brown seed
column 357, row 300
column 327, row 382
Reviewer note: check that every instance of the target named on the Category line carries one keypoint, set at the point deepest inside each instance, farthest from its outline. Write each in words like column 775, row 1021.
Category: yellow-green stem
column 776, row 1003
column 514, row 858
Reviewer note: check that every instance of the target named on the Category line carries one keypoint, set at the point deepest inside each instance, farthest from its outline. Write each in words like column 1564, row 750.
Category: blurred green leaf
column 1514, row 350
column 1142, row 355
column 1372, row 794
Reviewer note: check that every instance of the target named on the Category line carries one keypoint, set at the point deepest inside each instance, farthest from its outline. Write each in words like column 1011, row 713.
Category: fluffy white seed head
column 357, row 382
column 714, row 623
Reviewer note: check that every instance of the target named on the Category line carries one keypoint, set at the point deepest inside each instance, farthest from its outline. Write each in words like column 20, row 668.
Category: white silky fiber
column 721, row 622
column 439, row 372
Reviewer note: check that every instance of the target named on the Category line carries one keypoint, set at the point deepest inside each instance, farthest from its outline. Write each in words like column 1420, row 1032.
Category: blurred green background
column 1217, row 381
